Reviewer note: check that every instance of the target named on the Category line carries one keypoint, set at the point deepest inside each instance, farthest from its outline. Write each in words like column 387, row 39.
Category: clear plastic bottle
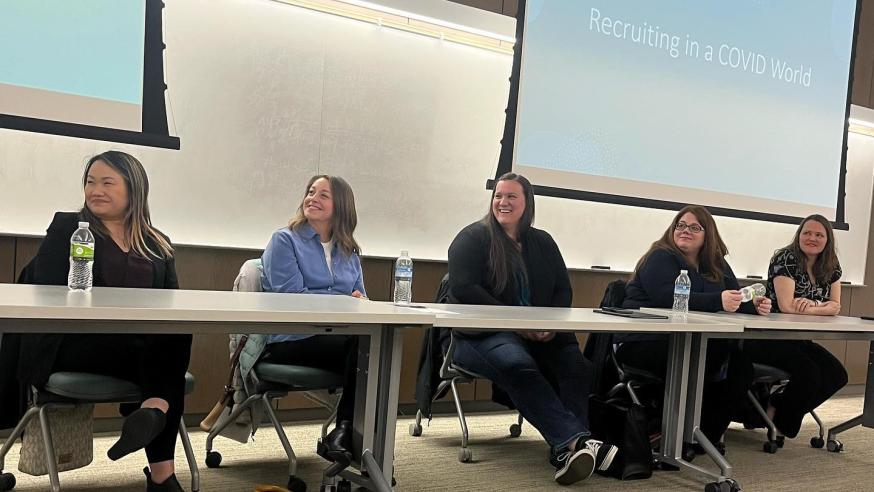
column 403, row 279
column 682, row 290
column 80, row 277
column 750, row 292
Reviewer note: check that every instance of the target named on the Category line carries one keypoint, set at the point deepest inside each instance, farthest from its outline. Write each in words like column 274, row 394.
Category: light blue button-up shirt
column 294, row 262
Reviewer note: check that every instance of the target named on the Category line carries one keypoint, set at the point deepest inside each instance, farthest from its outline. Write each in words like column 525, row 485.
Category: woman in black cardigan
column 502, row 260
column 129, row 252
column 692, row 243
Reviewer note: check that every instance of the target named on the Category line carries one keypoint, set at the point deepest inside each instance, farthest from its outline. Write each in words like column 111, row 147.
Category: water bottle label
column 81, row 251
column 681, row 289
column 404, row 272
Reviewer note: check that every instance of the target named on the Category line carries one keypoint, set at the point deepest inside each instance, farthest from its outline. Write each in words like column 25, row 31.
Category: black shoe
column 139, row 429
column 571, row 466
column 169, row 485
column 337, row 445
column 604, row 454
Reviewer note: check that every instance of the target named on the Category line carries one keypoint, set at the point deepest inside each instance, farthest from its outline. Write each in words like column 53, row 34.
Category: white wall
column 264, row 95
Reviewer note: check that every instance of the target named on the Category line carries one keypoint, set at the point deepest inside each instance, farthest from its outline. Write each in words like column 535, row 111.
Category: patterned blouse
column 784, row 263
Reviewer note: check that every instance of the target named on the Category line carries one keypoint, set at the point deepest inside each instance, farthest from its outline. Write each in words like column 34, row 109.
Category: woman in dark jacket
column 692, row 243
column 502, row 260
column 129, row 252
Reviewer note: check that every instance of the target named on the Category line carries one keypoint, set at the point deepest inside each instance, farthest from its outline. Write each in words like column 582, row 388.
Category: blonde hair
column 138, row 228
column 344, row 219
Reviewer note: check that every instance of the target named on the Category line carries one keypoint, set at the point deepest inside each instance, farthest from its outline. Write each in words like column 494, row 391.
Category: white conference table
column 503, row 318
column 54, row 309
column 775, row 326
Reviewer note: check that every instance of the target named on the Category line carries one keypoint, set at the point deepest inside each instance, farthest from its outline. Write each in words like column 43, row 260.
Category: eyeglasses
column 694, row 228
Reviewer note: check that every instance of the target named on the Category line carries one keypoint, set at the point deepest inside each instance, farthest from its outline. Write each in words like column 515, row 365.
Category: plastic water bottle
column 403, row 279
column 682, row 290
column 81, row 259
column 750, row 292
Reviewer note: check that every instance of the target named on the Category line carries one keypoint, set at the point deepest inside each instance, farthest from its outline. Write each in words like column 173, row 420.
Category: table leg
column 868, row 412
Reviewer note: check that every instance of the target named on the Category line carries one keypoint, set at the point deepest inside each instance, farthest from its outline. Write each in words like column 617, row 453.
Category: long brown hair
column 344, row 219
column 711, row 258
column 826, row 262
column 504, row 258
column 138, row 230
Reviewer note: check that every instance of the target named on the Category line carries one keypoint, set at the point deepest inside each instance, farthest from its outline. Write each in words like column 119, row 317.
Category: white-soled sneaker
column 573, row 466
column 604, row 454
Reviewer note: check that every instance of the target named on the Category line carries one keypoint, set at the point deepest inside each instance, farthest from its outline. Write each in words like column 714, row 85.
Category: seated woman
column 317, row 254
column 129, row 252
column 803, row 278
column 692, row 243
column 503, row 260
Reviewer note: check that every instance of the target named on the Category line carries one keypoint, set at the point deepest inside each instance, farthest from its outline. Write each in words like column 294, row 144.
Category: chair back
column 249, row 278
column 443, row 291
column 614, row 294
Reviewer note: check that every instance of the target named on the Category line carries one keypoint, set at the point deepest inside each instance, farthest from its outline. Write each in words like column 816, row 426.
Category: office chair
column 68, row 389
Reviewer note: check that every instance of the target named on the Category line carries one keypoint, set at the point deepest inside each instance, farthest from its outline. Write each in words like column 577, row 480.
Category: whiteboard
column 264, row 95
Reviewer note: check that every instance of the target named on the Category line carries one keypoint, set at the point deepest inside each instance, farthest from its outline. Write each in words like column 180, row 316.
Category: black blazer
column 27, row 359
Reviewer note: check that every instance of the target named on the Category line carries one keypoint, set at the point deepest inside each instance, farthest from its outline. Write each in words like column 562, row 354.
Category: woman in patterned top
column 803, row 278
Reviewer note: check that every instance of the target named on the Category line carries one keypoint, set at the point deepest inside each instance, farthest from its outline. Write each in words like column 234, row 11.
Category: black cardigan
column 27, row 359
column 548, row 281
column 653, row 286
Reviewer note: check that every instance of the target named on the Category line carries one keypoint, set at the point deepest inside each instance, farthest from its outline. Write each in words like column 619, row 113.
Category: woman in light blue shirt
column 317, row 254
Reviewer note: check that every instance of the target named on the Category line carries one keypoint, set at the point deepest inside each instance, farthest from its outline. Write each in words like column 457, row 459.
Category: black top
column 469, row 282
column 784, row 263
column 28, row 359
column 653, row 286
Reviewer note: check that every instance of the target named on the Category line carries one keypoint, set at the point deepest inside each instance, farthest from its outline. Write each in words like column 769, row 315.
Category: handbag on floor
column 626, row 425
column 71, row 429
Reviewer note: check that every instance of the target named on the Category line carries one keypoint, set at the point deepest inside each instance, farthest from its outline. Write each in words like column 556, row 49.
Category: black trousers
column 728, row 375
column 336, row 353
column 156, row 363
column 816, row 376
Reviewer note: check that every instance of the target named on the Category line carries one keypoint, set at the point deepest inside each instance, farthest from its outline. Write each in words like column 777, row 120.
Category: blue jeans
column 547, row 381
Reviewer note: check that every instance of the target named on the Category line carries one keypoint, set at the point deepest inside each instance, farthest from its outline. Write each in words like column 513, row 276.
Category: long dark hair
column 826, row 262
column 711, row 258
column 504, row 258
column 345, row 218
column 138, row 229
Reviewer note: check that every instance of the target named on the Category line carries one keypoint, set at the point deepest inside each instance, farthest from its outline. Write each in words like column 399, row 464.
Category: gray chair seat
column 298, row 378
column 765, row 374
column 82, row 386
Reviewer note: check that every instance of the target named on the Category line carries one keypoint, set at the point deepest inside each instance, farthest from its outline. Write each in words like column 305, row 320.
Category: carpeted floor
column 429, row 463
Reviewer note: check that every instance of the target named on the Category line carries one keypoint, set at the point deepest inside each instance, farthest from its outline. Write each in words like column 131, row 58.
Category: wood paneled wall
column 863, row 66
column 202, row 268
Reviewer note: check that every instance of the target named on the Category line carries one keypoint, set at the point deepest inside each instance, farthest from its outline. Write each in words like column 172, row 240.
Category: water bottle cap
column 83, row 225
column 684, row 271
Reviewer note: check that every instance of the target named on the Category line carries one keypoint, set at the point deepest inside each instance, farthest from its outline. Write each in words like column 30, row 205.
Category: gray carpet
column 429, row 463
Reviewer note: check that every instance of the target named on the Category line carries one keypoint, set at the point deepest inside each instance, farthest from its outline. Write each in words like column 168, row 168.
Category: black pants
column 728, row 375
column 155, row 363
column 337, row 353
column 816, row 376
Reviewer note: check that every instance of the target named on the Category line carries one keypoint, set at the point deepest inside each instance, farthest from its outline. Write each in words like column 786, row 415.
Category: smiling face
column 106, row 193
column 813, row 238
column 689, row 234
column 508, row 204
column 318, row 205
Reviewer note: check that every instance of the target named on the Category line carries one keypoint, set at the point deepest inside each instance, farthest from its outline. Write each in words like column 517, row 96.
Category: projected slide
column 739, row 104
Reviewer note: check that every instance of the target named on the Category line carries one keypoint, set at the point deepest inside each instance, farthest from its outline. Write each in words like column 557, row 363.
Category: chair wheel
column 781, row 440
column 817, row 442
column 515, row 430
column 465, row 455
column 727, row 486
column 415, row 430
column 7, row 482
column 770, row 447
column 344, row 486
column 689, row 453
column 296, row 485
column 213, row 459
column 835, row 446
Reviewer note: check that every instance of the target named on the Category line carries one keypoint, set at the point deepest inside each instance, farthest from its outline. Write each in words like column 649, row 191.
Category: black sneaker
column 571, row 466
column 604, row 454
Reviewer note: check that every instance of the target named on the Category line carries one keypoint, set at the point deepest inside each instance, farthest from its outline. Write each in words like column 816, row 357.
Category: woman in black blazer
column 129, row 252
